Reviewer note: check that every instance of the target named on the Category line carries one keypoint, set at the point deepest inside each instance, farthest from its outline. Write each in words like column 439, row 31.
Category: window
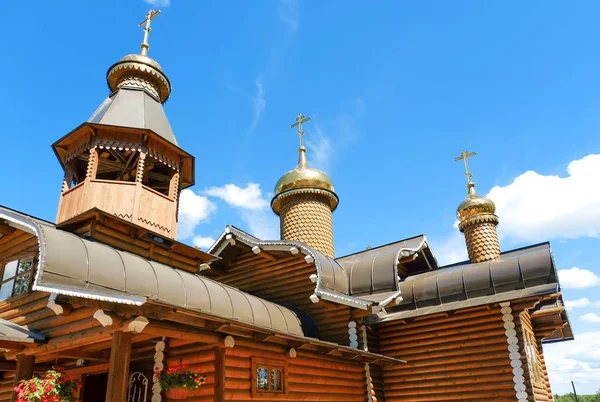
column 268, row 377
column 533, row 361
column 16, row 277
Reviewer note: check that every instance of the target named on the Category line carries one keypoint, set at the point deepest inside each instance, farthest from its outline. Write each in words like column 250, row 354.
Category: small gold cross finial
column 145, row 46
column 299, row 121
column 465, row 156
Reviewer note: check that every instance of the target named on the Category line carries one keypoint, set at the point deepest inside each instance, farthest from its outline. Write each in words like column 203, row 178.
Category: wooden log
column 118, row 372
column 58, row 308
column 219, row 387
column 24, row 371
column 107, row 319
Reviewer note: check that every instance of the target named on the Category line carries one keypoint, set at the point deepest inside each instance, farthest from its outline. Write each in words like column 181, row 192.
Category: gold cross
column 465, row 155
column 151, row 14
column 299, row 121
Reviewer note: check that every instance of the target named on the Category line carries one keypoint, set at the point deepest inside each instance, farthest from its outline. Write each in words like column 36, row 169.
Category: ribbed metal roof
column 514, row 275
column 376, row 270
column 74, row 266
column 134, row 108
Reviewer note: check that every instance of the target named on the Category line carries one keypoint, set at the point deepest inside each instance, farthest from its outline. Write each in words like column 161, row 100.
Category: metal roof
column 135, row 108
column 13, row 335
column 360, row 280
column 514, row 275
column 74, row 266
column 376, row 270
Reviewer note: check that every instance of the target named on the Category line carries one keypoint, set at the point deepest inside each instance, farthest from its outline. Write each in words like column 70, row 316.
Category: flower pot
column 53, row 398
column 177, row 393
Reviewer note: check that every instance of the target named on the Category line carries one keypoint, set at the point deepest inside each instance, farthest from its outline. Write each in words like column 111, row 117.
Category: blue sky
column 395, row 90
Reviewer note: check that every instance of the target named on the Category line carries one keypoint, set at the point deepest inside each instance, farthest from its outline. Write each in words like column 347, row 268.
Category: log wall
column 310, row 377
column 461, row 356
column 253, row 273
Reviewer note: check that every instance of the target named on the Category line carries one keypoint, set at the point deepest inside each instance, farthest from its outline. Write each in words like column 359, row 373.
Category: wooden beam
column 219, row 394
column 5, row 229
column 118, row 372
column 24, row 371
column 58, row 308
column 547, row 312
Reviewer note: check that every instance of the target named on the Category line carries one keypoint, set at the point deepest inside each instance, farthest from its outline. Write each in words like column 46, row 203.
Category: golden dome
column 303, row 177
column 137, row 70
column 474, row 204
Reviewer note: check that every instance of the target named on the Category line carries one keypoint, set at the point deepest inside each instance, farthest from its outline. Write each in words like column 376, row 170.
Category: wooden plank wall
column 311, row 377
column 462, row 356
column 252, row 273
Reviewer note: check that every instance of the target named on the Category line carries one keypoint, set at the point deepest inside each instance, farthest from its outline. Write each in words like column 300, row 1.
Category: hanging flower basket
column 177, row 393
column 176, row 381
column 55, row 386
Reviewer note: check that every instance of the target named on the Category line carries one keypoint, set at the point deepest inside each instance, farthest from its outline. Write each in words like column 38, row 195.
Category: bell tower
column 124, row 161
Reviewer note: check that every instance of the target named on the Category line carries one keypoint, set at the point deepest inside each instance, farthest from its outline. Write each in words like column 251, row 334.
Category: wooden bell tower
column 124, row 161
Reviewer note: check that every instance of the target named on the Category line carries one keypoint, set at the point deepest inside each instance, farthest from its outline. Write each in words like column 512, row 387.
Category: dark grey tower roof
column 135, row 108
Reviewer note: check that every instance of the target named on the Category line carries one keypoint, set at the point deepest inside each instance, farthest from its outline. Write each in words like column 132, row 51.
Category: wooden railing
column 129, row 201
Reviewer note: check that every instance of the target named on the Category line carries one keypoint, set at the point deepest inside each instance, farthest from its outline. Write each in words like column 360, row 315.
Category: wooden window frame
column 269, row 364
column 533, row 358
column 18, row 257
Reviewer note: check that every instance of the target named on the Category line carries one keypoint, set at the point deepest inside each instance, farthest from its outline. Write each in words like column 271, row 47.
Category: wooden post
column 24, row 371
column 118, row 372
column 92, row 167
column 219, row 395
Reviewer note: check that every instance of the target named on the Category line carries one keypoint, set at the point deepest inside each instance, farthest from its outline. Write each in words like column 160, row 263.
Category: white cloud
column 254, row 208
column 579, row 303
column 319, row 146
column 259, row 102
column 590, row 317
column 158, row 3
column 193, row 209
column 575, row 360
column 535, row 207
column 203, row 242
column 451, row 250
column 341, row 131
column 249, row 197
column 288, row 12
column 577, row 278
column 262, row 224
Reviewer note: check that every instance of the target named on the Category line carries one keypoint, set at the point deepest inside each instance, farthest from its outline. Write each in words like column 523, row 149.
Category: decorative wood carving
column 159, row 356
column 92, row 166
column 58, row 308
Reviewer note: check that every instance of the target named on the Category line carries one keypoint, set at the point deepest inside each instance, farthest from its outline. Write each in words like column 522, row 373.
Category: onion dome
column 142, row 72
column 139, row 71
column 474, row 204
column 304, row 179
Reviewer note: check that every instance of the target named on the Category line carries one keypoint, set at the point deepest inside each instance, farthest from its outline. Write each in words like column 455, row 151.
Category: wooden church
column 108, row 292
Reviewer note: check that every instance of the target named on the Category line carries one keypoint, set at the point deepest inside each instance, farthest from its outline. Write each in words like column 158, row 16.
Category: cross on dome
column 149, row 17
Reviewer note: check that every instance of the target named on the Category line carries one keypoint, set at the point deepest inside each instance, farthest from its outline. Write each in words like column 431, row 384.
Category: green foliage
column 54, row 384
column 570, row 397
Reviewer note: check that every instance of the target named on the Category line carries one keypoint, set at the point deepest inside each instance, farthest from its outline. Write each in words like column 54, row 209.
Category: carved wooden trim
column 92, row 166
column 159, row 355
column 139, row 176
